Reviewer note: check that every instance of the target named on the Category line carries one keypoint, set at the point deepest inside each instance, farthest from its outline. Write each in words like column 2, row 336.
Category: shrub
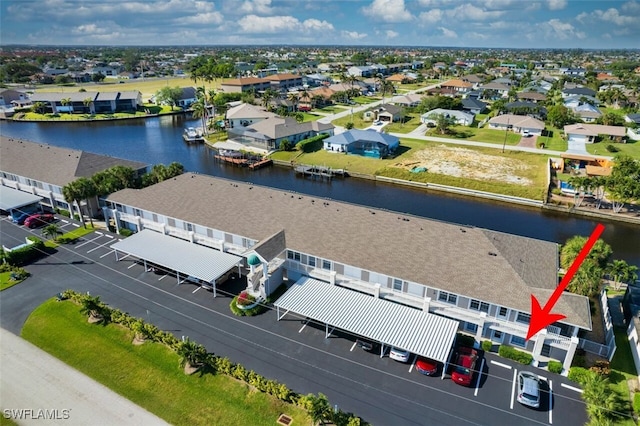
column 514, row 354
column 487, row 345
column 312, row 144
column 579, row 375
column 636, row 402
column 245, row 299
column 554, row 367
column 601, row 368
column 464, row 340
column 612, row 148
column 579, row 361
column 126, row 232
column 26, row 254
column 63, row 212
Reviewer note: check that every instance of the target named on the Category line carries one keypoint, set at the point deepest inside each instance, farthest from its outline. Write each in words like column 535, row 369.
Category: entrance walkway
column 39, row 389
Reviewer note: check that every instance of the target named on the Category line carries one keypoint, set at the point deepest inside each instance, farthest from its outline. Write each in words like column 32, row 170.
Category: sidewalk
column 38, row 389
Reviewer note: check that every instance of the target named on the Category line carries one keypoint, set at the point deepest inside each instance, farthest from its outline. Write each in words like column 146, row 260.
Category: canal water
column 159, row 140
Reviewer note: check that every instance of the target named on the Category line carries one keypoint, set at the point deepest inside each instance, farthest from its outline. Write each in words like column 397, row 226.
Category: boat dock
column 319, row 171
column 254, row 163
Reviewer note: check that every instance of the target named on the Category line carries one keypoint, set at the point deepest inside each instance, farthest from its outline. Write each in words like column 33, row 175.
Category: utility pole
column 506, row 132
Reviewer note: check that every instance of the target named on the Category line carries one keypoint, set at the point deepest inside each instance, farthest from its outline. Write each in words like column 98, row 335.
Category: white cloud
column 614, row 17
column 281, row 24
column 631, row 7
column 557, row 4
column 533, row 7
column 473, row 13
column 387, row 11
column 202, row 18
column 431, row 17
column 555, row 29
column 353, row 35
column 448, row 33
column 391, row 34
column 262, row 7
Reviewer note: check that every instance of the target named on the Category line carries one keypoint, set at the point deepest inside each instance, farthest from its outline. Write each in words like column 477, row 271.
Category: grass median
column 149, row 374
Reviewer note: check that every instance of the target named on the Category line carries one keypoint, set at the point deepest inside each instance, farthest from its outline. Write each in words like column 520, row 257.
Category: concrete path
column 38, row 389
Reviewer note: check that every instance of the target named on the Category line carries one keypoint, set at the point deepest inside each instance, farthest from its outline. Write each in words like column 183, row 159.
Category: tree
column 604, row 404
column 192, row 355
column 98, row 77
column 78, row 190
column 611, row 119
column 199, row 110
column 87, row 103
column 622, row 272
column 268, row 96
column 285, row 145
column 93, row 308
column 299, row 117
column 320, row 409
column 443, row 122
column 39, row 107
column 169, row 96
column 623, row 185
column 294, row 98
column 600, row 253
column 559, row 116
column 66, row 102
column 587, row 280
column 51, row 231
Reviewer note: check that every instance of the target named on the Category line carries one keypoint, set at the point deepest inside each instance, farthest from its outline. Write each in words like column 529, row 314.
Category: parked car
column 366, row 345
column 528, row 389
column 465, row 365
column 426, row 366
column 37, row 220
column 378, row 123
column 525, row 133
column 399, row 355
column 20, row 218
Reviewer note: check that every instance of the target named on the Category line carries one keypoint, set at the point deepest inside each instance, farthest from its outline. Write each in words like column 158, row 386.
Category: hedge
column 579, row 375
column 23, row 255
column 514, row 354
column 312, row 144
column 216, row 363
column 487, row 345
column 554, row 367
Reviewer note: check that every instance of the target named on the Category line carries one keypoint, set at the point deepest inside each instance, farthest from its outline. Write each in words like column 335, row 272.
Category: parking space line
column 550, row 402
column 513, row 387
column 109, row 236
column 64, row 221
column 124, row 257
column 353, row 346
column 100, row 246
column 132, row 265
column 499, row 364
column 479, row 377
column 197, row 288
column 107, row 254
column 76, row 225
column 87, row 242
column 163, row 277
column 571, row 388
column 305, row 324
column 99, row 233
column 415, row 358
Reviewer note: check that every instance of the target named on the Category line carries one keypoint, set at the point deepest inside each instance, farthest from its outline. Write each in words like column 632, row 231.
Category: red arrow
column 542, row 317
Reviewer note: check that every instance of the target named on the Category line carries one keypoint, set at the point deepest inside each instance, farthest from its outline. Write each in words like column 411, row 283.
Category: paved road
column 380, row 390
column 38, row 389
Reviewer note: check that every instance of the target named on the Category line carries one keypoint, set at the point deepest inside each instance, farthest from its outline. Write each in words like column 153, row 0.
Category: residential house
column 244, row 115
column 526, row 108
column 245, row 84
column 388, row 112
column 473, row 105
column 9, row 97
column 362, row 71
column 531, row 96
column 517, row 123
column 367, row 143
column 411, row 100
column 285, row 82
column 315, row 80
column 269, row 132
column 43, row 170
column 588, row 133
column 494, row 90
column 64, row 102
column 457, row 86
column 400, row 79
column 474, row 79
column 578, row 91
column 474, row 276
column 587, row 112
column 189, row 96
column 579, row 72
column 462, row 118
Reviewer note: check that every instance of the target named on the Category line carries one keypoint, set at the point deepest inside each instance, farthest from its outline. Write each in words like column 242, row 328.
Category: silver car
column 528, row 389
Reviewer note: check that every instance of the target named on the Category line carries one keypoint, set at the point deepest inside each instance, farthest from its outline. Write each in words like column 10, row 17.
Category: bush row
column 19, row 257
column 554, row 367
column 215, row 363
column 514, row 354
column 312, row 144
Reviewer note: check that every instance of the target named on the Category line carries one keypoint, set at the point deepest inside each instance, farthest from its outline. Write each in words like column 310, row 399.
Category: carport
column 377, row 319
column 15, row 200
column 194, row 261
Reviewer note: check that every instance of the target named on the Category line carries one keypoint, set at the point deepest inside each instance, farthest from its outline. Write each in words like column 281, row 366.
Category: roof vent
column 493, row 254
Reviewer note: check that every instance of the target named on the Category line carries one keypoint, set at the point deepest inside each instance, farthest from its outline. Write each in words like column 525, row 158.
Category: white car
column 528, row 389
column 399, row 355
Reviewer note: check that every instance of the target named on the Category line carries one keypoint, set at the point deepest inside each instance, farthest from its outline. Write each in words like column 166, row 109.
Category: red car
column 426, row 366
column 464, row 367
column 37, row 220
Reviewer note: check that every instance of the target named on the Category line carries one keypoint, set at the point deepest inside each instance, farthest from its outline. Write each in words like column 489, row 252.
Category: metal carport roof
column 191, row 259
column 14, row 199
column 393, row 324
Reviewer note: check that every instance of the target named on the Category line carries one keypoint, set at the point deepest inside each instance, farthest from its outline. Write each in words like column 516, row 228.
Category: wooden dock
column 265, row 162
column 319, row 171
column 252, row 162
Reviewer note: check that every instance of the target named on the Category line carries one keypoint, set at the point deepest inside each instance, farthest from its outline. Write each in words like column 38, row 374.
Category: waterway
column 159, row 140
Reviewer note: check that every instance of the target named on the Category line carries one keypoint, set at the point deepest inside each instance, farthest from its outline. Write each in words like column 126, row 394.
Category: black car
column 366, row 345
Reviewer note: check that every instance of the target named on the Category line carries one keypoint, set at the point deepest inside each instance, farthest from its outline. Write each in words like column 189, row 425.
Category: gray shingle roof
column 51, row 164
column 354, row 135
column 438, row 254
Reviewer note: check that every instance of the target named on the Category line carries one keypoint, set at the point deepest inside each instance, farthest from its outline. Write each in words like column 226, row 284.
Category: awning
column 407, row 328
column 571, row 156
column 11, row 199
column 191, row 259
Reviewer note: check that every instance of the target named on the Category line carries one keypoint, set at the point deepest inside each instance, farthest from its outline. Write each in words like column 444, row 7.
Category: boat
column 192, row 135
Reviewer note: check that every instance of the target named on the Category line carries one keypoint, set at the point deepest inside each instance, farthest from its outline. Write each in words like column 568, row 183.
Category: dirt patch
column 467, row 163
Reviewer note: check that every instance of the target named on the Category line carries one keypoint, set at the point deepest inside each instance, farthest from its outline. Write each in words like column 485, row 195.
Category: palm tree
column 320, row 409
column 39, row 107
column 87, row 103
column 295, row 98
column 267, row 96
column 66, row 102
column 93, row 308
column 622, row 272
column 199, row 108
column 51, row 231
column 192, row 355
column 78, row 190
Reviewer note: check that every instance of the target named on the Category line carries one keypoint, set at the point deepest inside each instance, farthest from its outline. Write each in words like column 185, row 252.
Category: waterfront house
column 367, row 143
column 269, row 132
column 473, row 276
column 244, row 115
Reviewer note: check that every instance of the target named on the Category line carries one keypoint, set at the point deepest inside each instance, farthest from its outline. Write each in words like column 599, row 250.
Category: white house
column 462, row 118
column 517, row 123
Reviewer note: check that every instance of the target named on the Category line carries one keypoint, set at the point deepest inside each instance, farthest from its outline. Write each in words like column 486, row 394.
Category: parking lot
column 294, row 350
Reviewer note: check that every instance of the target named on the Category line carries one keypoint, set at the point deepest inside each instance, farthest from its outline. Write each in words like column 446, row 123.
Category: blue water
column 159, row 140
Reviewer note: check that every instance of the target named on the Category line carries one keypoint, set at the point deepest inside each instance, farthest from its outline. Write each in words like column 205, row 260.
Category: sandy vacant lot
column 468, row 163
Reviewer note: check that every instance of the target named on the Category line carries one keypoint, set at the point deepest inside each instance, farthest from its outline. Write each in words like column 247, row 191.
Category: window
column 312, row 261
column 137, row 212
column 188, row 227
column 518, row 341
column 523, row 318
column 502, row 312
column 477, row 305
column 397, row 284
column 296, row 256
column 443, row 296
column 470, row 327
column 289, row 254
column 326, row 265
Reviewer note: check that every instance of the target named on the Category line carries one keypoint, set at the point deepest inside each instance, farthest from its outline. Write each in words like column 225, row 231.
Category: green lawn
column 310, row 116
column 70, row 236
column 6, row 281
column 149, row 374
column 492, row 136
column 411, row 121
column 622, row 368
column 631, row 148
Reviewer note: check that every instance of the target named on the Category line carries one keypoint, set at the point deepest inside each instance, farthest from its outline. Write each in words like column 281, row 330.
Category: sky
column 587, row 24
